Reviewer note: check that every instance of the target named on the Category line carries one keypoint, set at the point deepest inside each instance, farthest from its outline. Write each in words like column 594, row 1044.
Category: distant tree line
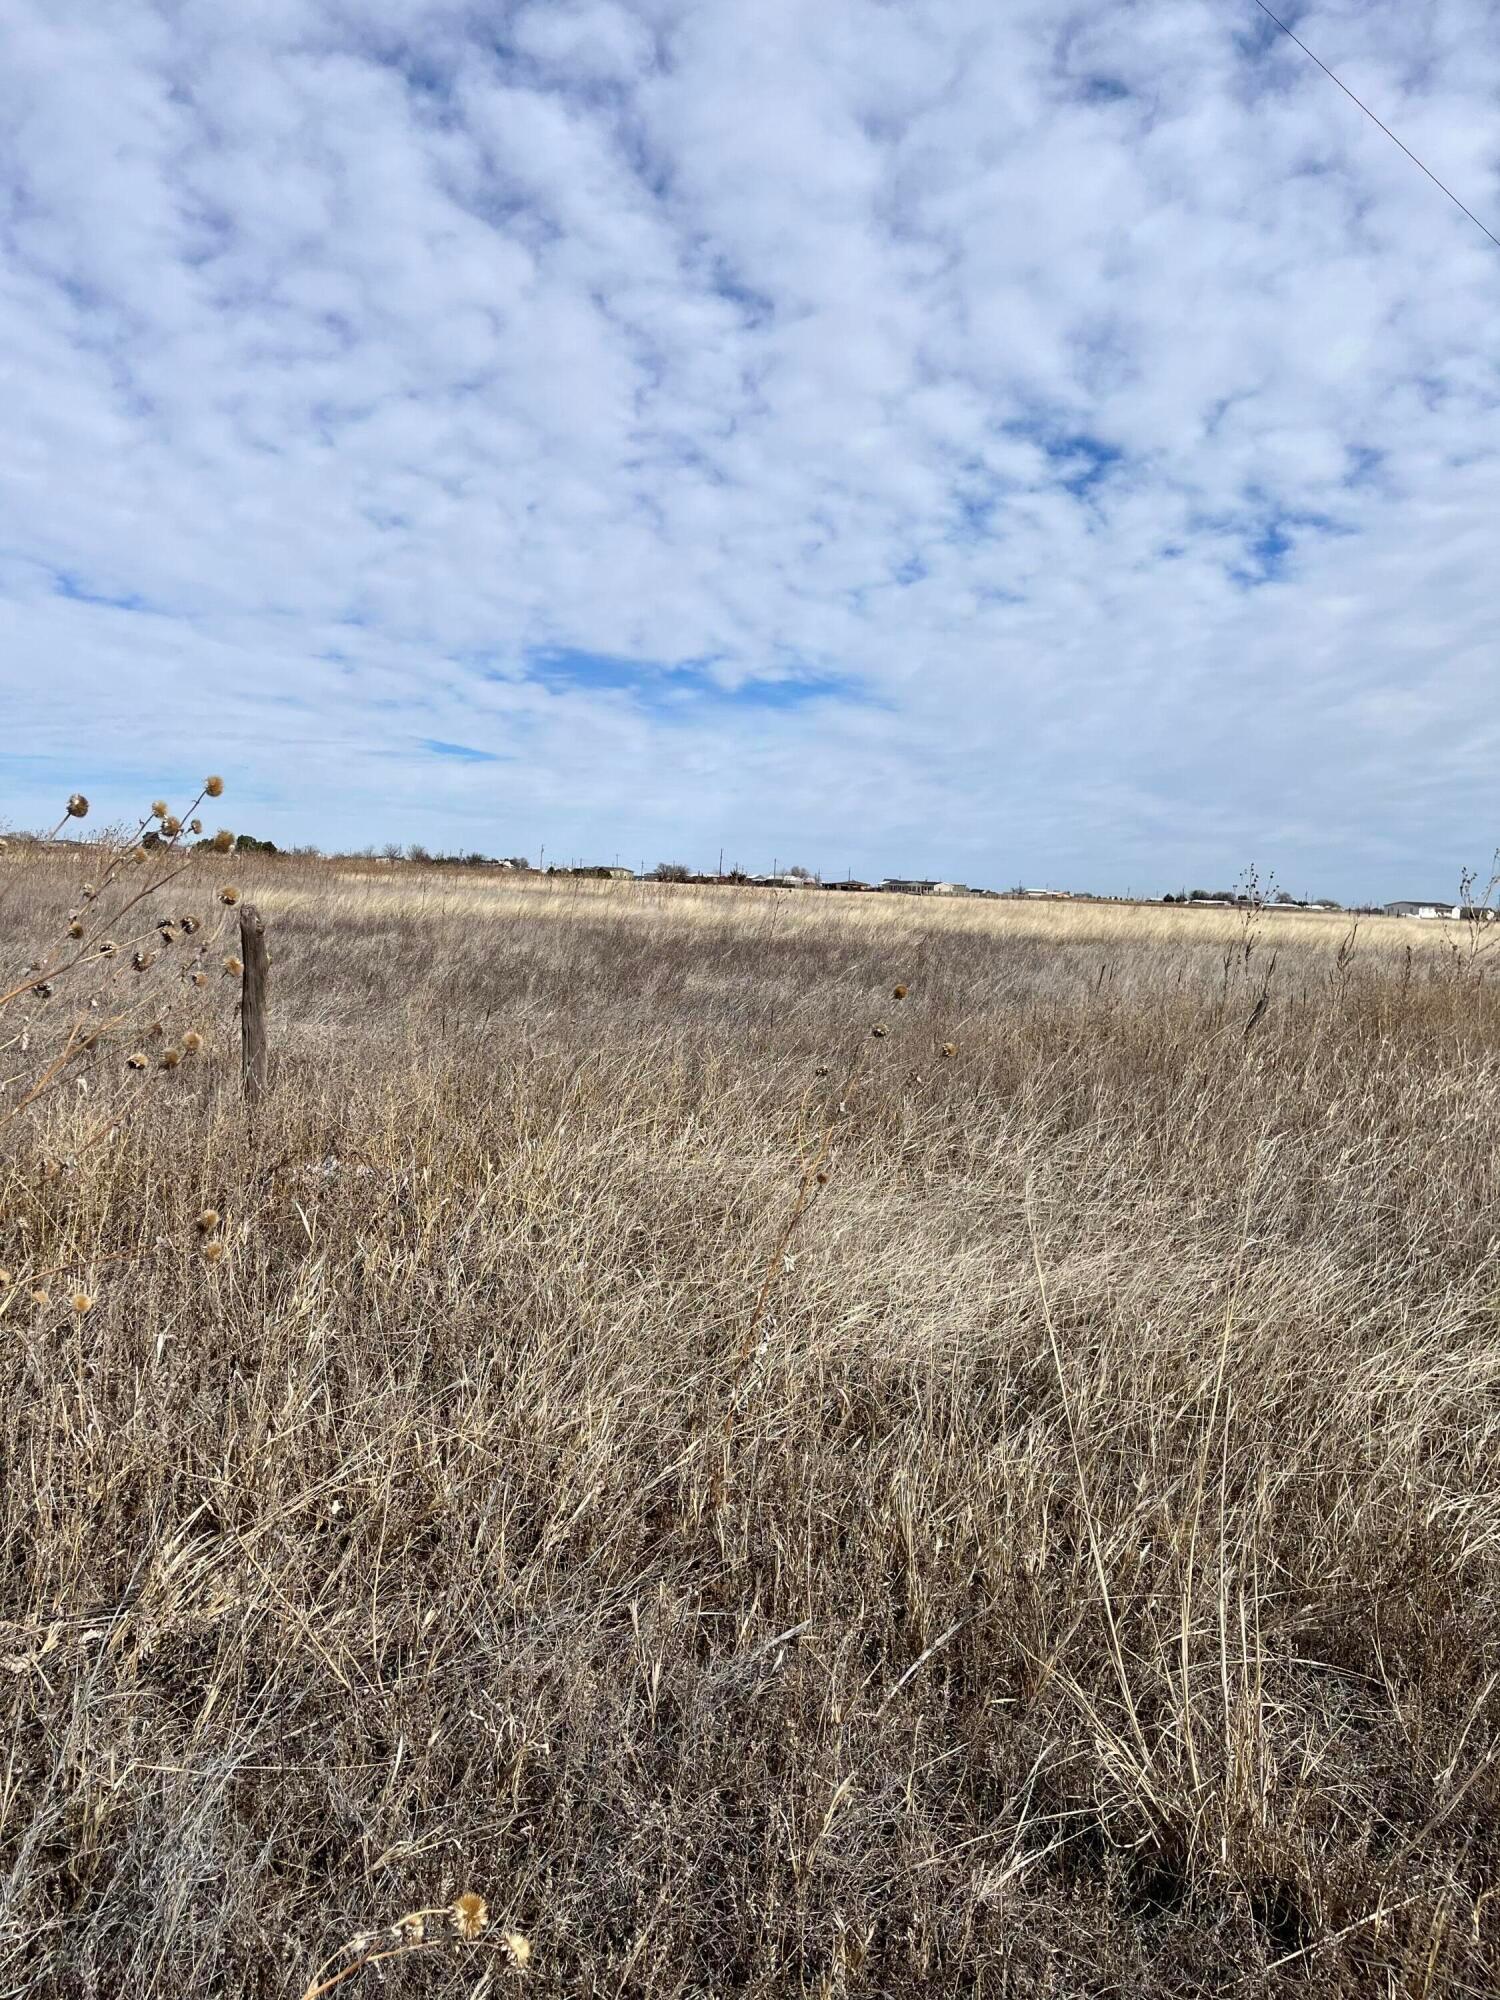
column 1243, row 900
column 417, row 852
column 244, row 843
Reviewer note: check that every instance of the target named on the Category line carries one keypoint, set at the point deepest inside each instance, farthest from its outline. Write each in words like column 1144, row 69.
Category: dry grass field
column 775, row 1507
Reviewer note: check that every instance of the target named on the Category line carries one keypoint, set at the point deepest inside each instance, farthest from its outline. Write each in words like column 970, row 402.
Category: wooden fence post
column 253, row 1001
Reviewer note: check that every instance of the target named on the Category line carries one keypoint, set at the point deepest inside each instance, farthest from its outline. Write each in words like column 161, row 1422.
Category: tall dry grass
column 1082, row 1581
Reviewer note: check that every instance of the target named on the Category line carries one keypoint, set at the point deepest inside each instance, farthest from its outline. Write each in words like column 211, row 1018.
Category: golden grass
column 1028, row 1523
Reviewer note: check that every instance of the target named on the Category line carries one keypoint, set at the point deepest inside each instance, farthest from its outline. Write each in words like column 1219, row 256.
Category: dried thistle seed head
column 41, row 1296
column 137, row 854
column 136, row 1061
column 187, row 925
column 82, row 1303
column 171, row 825
column 213, row 787
column 75, row 929
column 143, row 960
column 78, row 806
column 518, row 1947
column 880, row 1031
column 213, row 1251
column 412, row 1929
column 170, row 1058
column 88, row 892
column 229, row 895
column 898, row 992
column 233, row 966
column 43, row 989
column 6, row 1281
column 950, row 1049
column 192, row 1041
column 167, row 934
column 223, row 840
column 195, row 826
column 200, row 979
column 108, row 948
column 470, row 1914
column 208, row 1221
column 158, row 809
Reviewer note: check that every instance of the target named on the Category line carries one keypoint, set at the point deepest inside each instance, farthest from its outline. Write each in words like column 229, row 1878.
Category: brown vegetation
column 1063, row 1562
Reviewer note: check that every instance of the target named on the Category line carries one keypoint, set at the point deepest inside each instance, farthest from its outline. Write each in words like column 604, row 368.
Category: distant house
column 900, row 885
column 783, row 882
column 1419, row 908
column 607, row 874
column 851, row 885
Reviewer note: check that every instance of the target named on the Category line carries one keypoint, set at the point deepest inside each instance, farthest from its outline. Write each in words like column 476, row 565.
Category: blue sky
column 1029, row 443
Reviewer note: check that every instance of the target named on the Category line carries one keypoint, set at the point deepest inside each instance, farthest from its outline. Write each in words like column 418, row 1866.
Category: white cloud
column 1097, row 402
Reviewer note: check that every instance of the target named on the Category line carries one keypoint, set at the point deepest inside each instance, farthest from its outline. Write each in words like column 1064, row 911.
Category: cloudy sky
column 1027, row 443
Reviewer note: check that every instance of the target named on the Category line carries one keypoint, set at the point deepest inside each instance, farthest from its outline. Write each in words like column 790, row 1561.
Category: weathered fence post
column 253, row 1001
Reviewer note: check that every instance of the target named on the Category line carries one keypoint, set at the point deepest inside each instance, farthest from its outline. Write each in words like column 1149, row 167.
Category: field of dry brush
column 774, row 1507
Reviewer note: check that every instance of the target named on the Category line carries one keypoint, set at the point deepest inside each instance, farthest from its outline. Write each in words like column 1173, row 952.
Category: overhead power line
column 1378, row 121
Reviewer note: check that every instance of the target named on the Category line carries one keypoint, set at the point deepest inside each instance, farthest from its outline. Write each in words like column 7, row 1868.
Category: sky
column 1034, row 444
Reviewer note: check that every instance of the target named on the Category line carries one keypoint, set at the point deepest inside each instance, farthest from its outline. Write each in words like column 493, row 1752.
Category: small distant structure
column 36, row 843
column 902, row 885
column 783, row 882
column 851, row 887
column 1453, row 913
column 606, row 874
